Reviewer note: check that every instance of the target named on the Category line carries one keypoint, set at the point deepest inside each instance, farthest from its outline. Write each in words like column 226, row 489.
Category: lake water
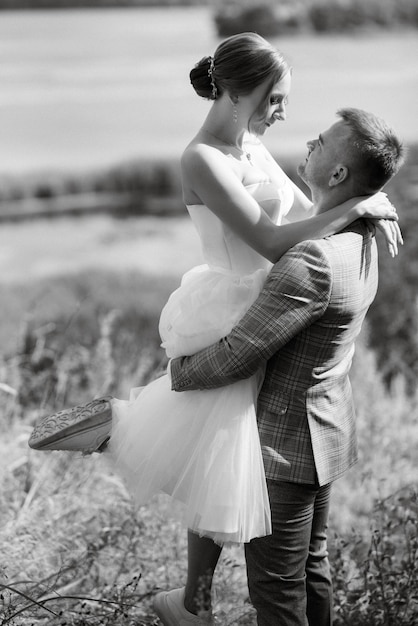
column 86, row 88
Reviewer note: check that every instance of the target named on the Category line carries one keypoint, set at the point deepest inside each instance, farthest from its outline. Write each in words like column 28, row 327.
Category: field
column 80, row 320
column 80, row 303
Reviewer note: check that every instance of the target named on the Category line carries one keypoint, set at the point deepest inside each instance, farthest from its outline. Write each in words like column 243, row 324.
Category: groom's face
column 331, row 148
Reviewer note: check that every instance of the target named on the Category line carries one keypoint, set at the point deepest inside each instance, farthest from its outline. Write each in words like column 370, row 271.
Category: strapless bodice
column 222, row 248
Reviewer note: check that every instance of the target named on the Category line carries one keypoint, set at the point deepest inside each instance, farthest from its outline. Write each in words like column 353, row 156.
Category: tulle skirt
column 205, row 308
column 200, row 447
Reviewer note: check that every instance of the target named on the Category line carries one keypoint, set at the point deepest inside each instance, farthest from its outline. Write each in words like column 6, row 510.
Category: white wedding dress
column 202, row 447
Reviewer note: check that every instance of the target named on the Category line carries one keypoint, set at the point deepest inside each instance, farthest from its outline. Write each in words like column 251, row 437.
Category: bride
column 202, row 447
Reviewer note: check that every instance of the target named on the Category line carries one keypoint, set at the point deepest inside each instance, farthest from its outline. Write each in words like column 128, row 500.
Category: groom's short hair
column 375, row 153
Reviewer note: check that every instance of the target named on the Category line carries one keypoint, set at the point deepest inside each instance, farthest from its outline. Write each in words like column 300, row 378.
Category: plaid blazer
column 302, row 327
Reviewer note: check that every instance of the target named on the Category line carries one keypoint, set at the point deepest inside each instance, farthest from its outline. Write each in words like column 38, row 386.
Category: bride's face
column 269, row 108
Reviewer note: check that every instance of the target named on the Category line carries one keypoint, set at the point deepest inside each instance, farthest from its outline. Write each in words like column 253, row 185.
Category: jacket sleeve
column 296, row 293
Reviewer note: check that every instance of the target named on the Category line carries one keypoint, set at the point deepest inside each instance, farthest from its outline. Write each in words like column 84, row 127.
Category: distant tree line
column 272, row 18
column 268, row 17
column 93, row 4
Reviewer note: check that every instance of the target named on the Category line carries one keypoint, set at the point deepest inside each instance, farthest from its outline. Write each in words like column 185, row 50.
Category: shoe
column 169, row 606
column 82, row 428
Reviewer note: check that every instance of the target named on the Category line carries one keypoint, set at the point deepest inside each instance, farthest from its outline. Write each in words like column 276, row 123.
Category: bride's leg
column 203, row 556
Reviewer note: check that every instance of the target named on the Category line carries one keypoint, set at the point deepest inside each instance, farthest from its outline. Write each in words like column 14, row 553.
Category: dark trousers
column 288, row 572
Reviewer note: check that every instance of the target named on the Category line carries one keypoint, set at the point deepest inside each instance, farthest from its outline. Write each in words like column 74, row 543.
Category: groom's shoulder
column 350, row 247
column 306, row 249
column 322, row 253
column 306, row 258
column 355, row 234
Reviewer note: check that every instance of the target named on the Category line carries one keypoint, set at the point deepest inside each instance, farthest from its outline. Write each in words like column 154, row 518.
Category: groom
column 302, row 328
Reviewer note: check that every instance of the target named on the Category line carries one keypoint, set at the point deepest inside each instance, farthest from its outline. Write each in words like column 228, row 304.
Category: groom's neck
column 325, row 200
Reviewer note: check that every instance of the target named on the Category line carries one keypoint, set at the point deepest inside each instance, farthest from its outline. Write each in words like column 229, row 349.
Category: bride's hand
column 376, row 207
column 392, row 234
column 382, row 214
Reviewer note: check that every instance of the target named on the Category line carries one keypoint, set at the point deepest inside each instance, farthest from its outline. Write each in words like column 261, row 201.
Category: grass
column 74, row 551
column 70, row 538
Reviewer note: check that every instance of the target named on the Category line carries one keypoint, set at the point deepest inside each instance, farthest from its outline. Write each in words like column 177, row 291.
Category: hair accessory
column 212, row 80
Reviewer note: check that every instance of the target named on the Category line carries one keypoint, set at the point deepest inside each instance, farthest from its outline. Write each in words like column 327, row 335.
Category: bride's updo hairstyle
column 240, row 63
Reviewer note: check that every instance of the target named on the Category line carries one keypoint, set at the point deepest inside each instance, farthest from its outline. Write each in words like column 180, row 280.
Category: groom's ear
column 339, row 175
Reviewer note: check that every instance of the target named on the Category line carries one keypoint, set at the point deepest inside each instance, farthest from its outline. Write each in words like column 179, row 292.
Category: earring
column 234, row 113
